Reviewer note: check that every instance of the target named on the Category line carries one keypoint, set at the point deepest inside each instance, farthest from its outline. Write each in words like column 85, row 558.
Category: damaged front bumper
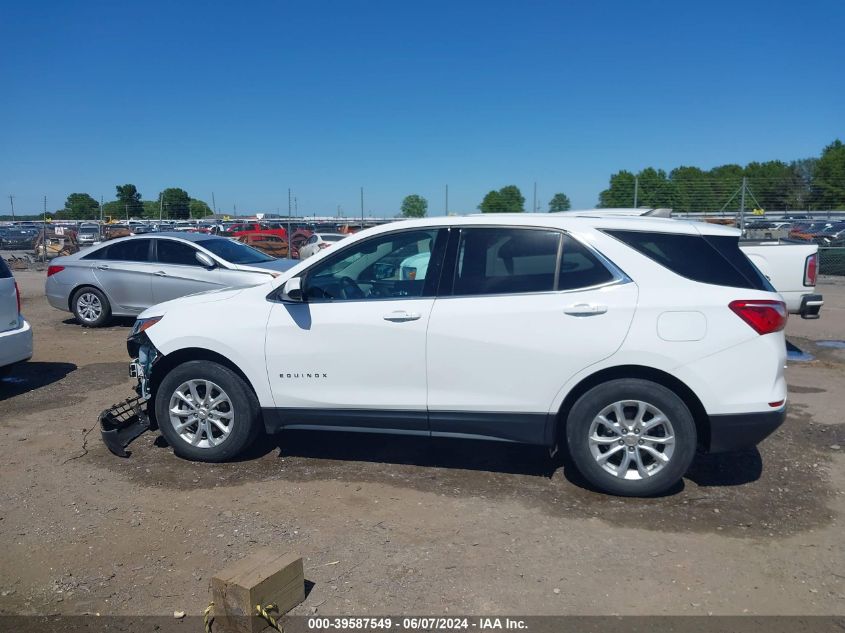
column 124, row 422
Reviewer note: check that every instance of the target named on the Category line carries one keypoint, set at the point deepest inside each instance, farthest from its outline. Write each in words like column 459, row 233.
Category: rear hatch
column 8, row 299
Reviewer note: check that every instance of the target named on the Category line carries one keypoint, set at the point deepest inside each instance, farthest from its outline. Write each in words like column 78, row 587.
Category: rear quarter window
column 5, row 273
column 708, row 259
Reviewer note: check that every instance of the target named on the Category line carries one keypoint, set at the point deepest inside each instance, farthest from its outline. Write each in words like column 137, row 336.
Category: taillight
column 52, row 270
column 18, row 295
column 811, row 268
column 764, row 315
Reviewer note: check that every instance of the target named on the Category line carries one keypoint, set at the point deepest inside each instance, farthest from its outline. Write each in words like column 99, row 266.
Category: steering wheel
column 349, row 289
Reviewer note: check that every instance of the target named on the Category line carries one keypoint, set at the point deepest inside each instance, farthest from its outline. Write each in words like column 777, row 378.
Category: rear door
column 124, row 272
column 178, row 273
column 521, row 312
column 8, row 299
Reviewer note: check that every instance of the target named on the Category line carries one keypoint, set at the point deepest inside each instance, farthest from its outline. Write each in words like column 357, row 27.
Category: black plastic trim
column 525, row 428
column 811, row 311
column 737, row 431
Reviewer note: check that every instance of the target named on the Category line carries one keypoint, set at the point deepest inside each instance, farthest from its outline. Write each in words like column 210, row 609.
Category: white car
column 317, row 242
column 630, row 342
column 15, row 332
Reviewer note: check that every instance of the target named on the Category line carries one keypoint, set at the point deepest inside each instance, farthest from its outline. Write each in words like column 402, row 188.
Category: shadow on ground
column 30, row 376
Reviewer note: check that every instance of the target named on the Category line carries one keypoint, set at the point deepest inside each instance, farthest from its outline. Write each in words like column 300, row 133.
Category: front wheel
column 631, row 437
column 206, row 412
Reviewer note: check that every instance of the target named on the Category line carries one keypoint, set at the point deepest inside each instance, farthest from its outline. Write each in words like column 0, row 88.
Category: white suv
column 15, row 332
column 628, row 341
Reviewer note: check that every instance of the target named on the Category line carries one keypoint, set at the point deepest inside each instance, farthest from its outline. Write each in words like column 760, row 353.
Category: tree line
column 508, row 199
column 173, row 203
column 805, row 184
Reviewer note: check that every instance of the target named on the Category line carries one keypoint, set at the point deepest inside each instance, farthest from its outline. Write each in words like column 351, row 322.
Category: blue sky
column 247, row 99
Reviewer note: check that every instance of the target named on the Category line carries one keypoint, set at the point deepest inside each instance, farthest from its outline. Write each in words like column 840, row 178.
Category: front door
column 353, row 354
column 524, row 311
column 178, row 273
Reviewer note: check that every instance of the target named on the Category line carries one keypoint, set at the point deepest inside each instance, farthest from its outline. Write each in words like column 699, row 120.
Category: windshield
column 235, row 252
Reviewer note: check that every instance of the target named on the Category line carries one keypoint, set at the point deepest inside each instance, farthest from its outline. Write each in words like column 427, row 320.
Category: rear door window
column 5, row 273
column 708, row 259
column 506, row 260
column 129, row 251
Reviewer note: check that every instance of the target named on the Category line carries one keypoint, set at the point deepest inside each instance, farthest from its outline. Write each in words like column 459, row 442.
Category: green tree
column 130, row 201
column 414, row 206
column 829, row 177
column 512, row 199
column 725, row 181
column 620, row 191
column 802, row 195
column 491, row 203
column 559, row 202
column 177, row 203
column 692, row 189
column 199, row 209
column 508, row 199
column 654, row 189
column 81, row 206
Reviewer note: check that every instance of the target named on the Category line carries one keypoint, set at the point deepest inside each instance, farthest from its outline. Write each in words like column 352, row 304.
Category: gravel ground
column 391, row 525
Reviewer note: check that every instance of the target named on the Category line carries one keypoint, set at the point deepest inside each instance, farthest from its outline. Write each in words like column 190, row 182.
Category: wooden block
column 266, row 576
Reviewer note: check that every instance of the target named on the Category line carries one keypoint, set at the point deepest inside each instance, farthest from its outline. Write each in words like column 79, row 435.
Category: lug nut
column 642, row 441
column 621, row 441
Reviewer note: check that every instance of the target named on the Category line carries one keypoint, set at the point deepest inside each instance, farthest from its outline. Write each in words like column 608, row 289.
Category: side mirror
column 205, row 260
column 293, row 290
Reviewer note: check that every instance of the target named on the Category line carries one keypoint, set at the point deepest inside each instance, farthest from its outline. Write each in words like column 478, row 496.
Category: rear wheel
column 206, row 411
column 90, row 307
column 631, row 437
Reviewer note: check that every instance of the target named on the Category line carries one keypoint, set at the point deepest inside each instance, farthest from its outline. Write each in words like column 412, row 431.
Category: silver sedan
column 125, row 276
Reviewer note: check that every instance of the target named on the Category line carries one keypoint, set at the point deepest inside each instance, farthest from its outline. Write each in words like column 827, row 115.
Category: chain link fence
column 832, row 260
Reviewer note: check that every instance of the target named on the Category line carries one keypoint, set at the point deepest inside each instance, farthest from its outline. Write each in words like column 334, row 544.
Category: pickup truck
column 791, row 267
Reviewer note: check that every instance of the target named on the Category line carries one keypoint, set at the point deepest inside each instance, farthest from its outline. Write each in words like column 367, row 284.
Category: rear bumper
column 16, row 345
column 811, row 305
column 737, row 431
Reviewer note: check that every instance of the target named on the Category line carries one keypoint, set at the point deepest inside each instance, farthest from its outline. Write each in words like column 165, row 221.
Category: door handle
column 585, row 309
column 399, row 316
column 160, row 273
column 103, row 266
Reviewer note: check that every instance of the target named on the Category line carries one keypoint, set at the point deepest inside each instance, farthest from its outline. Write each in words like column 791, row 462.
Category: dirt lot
column 388, row 525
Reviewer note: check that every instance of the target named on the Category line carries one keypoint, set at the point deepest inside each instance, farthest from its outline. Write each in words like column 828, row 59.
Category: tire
column 90, row 307
column 619, row 459
column 236, row 408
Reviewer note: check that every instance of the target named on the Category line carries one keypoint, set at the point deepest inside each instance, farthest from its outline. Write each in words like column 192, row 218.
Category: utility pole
column 742, row 205
column 289, row 206
column 12, row 202
column 636, row 189
column 362, row 207
column 101, row 213
column 161, row 209
column 213, row 204
column 127, row 212
column 447, row 199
